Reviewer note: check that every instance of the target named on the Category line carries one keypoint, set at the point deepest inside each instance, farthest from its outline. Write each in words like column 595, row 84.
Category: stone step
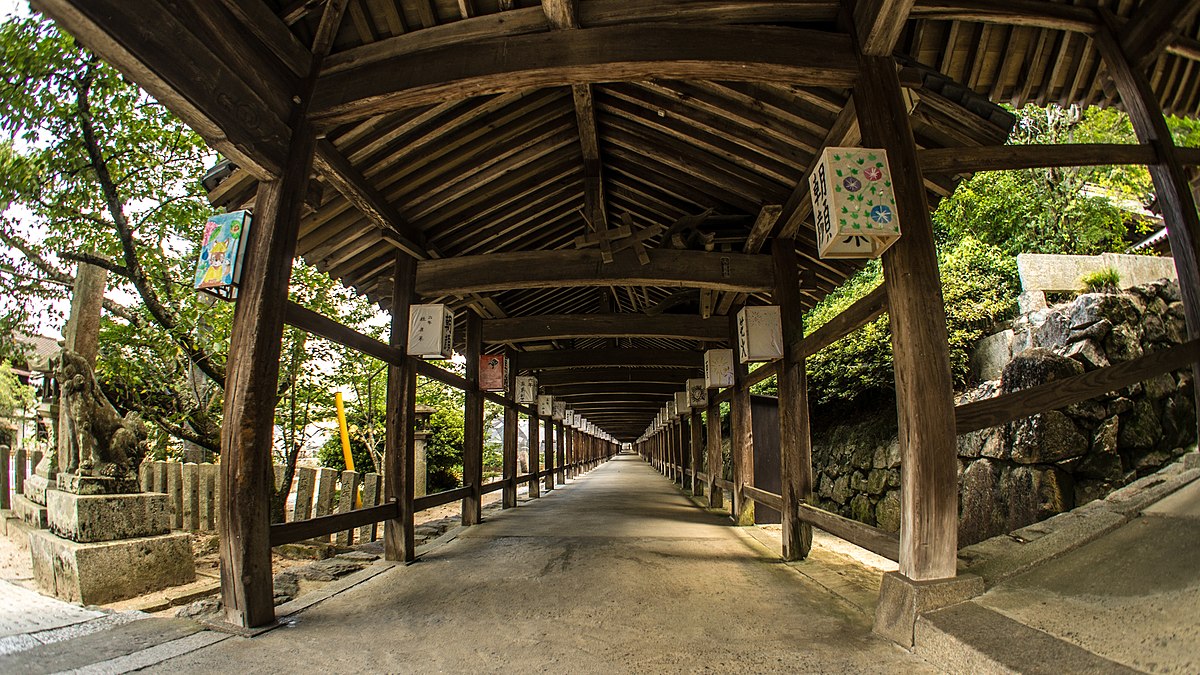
column 16, row 530
column 31, row 512
column 969, row 638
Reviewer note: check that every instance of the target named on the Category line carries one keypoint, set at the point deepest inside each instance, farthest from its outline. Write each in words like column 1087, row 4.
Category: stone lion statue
column 99, row 441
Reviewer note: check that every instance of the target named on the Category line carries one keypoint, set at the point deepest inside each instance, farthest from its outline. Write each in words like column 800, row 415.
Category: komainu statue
column 100, row 444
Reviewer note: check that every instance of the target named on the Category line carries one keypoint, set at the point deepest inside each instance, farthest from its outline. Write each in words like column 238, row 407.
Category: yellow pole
column 341, row 411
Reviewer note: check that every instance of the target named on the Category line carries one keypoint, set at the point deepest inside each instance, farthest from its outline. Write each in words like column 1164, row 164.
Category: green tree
column 1057, row 210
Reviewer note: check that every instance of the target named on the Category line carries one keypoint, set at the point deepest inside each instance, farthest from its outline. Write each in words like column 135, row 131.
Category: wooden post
column 399, row 460
column 716, row 459
column 795, row 445
column 511, row 420
column 685, row 452
column 252, row 379
column 741, row 436
column 924, row 393
column 561, row 450
column 534, row 454
column 472, row 504
column 1171, row 186
column 697, row 428
column 550, row 449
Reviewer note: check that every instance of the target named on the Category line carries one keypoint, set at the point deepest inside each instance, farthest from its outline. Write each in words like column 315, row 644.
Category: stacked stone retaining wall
column 1026, row 471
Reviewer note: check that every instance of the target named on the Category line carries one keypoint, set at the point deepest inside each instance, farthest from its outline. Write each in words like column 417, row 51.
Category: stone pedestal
column 104, row 548
column 92, row 518
column 96, row 573
column 36, row 487
column 902, row 600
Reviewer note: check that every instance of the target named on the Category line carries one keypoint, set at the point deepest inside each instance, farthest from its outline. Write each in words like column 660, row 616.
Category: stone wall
column 1025, row 471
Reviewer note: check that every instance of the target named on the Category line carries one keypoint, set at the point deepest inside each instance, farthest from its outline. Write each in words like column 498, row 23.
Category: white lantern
column 697, row 393
column 672, row 411
column 526, row 389
column 560, row 411
column 545, row 405
column 854, row 206
column 718, row 368
column 760, row 334
column 430, row 331
column 682, row 406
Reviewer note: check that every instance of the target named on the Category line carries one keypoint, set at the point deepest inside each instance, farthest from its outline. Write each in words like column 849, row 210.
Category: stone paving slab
column 26, row 611
column 98, row 647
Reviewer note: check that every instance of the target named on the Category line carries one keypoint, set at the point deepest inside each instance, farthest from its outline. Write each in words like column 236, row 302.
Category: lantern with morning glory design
column 854, row 207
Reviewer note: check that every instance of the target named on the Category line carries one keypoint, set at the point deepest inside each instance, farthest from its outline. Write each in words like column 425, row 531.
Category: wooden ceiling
column 499, row 161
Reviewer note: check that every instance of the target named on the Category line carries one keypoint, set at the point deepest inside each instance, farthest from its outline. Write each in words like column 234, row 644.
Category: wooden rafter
column 629, row 52
column 878, row 24
column 1148, row 34
column 565, row 326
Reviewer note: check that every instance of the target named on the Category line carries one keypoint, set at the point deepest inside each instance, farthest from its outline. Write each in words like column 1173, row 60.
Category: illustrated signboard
column 854, row 207
column 219, row 269
column 760, row 334
column 430, row 331
column 491, row 372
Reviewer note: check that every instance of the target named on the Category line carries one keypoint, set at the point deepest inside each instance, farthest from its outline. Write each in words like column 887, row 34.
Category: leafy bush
column 979, row 287
column 330, row 453
column 1108, row 279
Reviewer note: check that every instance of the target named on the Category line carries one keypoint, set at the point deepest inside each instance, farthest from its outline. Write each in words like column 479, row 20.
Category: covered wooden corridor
column 618, row 572
column 594, row 189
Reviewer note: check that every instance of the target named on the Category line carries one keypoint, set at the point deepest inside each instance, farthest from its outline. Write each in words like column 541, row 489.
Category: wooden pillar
column 741, row 436
column 795, row 444
column 561, row 451
column 697, row 428
column 472, row 504
column 251, row 384
column 1171, row 186
column 535, row 486
column 685, row 452
column 511, row 420
column 549, row 454
column 399, row 459
column 716, row 459
column 924, row 393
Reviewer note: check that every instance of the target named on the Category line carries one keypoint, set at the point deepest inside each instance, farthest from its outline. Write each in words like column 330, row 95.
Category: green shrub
column 1108, row 279
column 979, row 287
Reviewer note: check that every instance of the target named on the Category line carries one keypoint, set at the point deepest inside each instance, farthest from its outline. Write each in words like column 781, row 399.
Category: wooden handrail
column 763, row 497
column 1059, row 393
column 438, row 498
column 873, row 539
column 287, row 533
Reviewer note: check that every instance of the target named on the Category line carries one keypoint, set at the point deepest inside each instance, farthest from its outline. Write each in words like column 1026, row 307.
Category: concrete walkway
column 618, row 572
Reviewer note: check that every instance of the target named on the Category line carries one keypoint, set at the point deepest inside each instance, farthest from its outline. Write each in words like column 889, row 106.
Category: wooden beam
column 559, row 58
column 472, row 503
column 924, row 389
column 590, row 388
column 459, row 275
column 1155, row 26
column 399, row 458
column 764, row 224
column 346, row 179
column 322, row 326
column 199, row 69
column 589, row 358
column 873, row 539
column 290, row 533
column 795, row 442
column 564, row 326
column 1008, row 157
column 1176, row 200
column 1033, row 13
column 614, row 375
column 863, row 311
column 878, row 24
column 250, row 393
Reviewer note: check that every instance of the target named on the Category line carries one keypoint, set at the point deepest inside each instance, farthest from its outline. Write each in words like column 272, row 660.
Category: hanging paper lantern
column 718, row 368
column 545, row 405
column 854, row 207
column 430, row 331
column 526, row 389
column 697, row 392
column 493, row 372
column 760, row 334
